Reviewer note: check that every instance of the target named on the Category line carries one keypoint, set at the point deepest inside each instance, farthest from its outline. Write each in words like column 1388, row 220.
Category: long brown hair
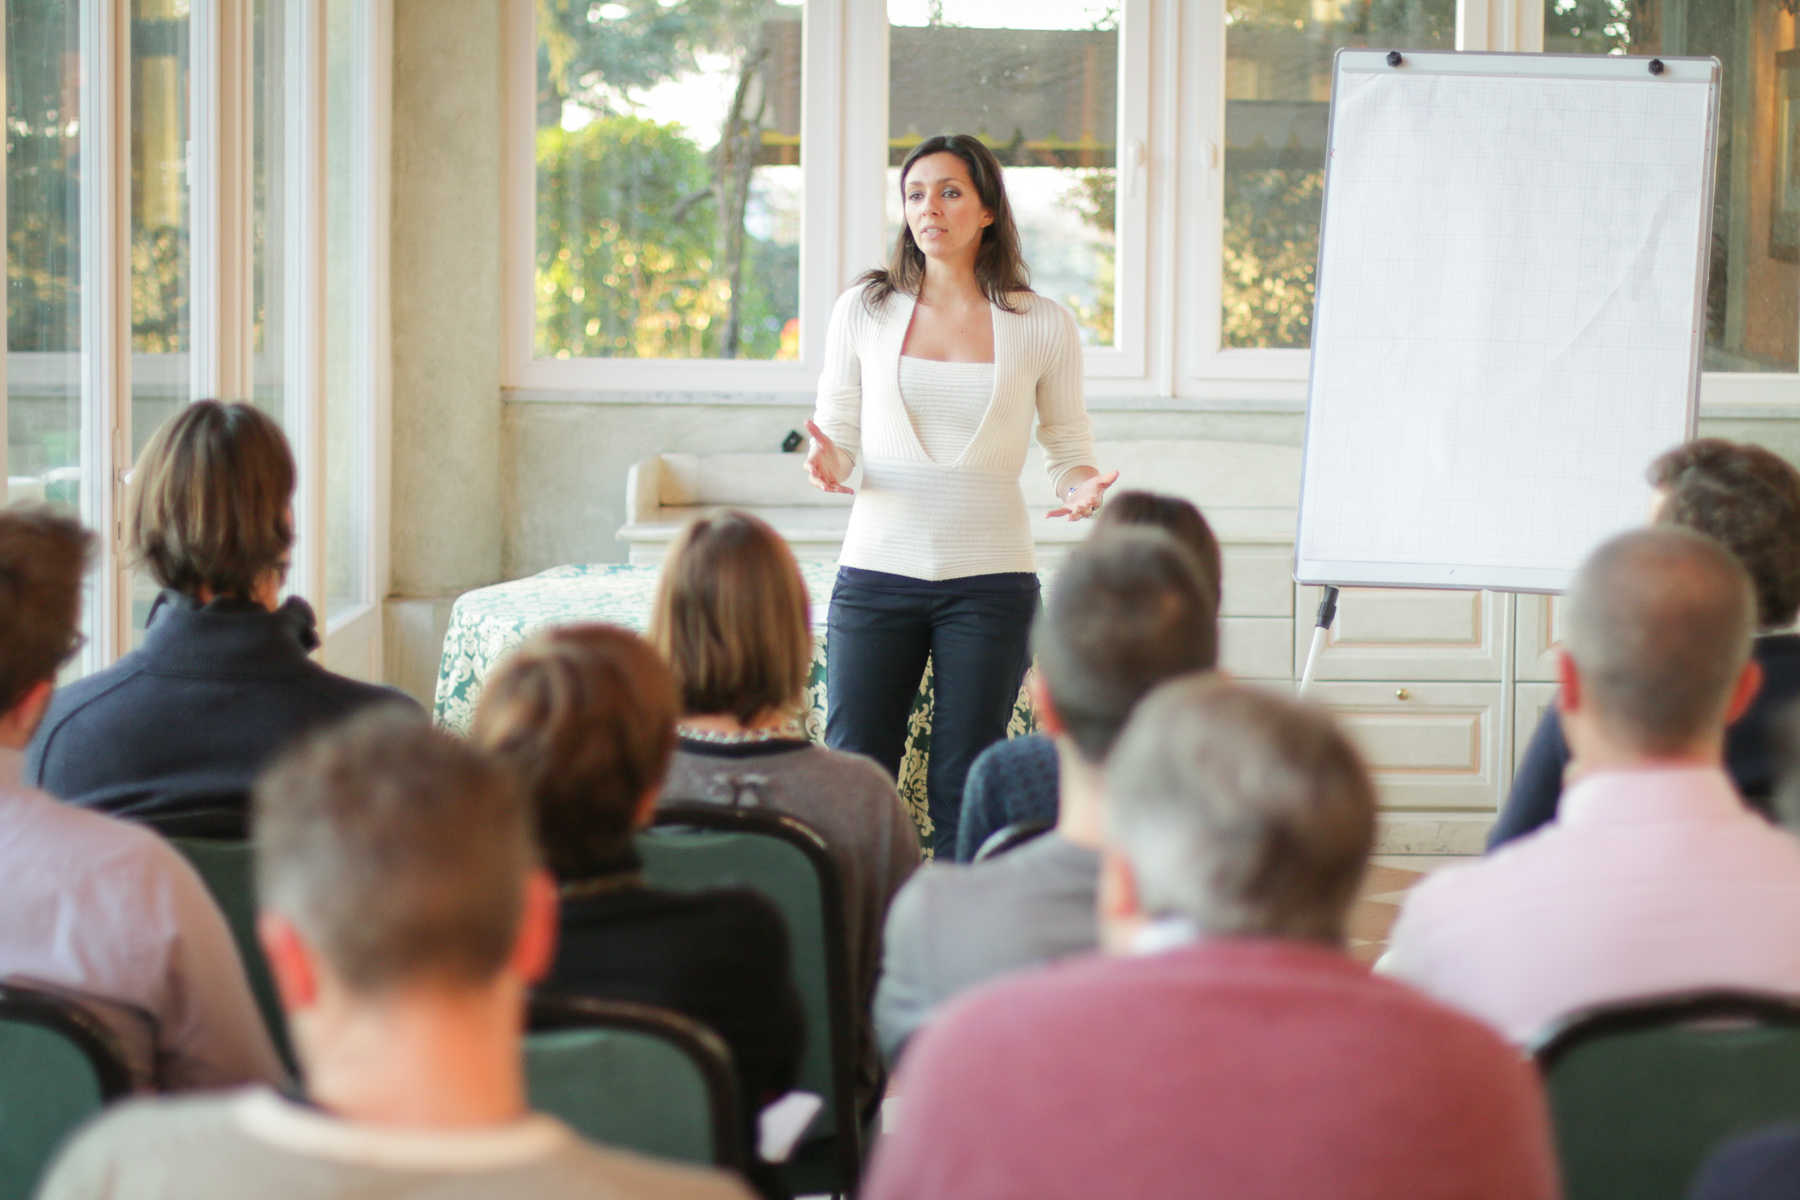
column 999, row 264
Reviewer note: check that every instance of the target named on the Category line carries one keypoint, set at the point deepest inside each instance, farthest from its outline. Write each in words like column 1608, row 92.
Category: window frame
column 221, row 353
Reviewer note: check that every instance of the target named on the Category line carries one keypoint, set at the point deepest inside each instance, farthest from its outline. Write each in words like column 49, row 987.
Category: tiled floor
column 1384, row 887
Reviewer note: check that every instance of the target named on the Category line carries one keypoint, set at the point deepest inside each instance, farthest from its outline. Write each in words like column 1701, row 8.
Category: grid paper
column 1504, row 330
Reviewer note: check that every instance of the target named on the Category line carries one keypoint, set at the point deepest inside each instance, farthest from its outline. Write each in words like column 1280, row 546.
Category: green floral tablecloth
column 488, row 622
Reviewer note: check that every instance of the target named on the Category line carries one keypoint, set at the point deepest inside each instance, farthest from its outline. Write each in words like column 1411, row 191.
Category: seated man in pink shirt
column 1227, row 1046
column 1654, row 877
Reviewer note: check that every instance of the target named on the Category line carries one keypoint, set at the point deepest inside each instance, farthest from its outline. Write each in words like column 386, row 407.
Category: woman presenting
column 934, row 370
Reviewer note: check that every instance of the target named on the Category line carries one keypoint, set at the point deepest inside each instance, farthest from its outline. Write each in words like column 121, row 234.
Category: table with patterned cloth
column 488, row 622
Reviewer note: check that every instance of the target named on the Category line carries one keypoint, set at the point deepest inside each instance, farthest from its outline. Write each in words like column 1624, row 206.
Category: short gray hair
column 399, row 851
column 1659, row 623
column 1243, row 811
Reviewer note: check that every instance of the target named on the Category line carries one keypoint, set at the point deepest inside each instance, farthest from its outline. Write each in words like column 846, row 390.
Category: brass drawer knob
column 1402, row 694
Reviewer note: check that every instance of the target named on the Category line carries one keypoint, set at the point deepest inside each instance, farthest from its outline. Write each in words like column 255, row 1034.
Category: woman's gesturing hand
column 1084, row 497
column 825, row 463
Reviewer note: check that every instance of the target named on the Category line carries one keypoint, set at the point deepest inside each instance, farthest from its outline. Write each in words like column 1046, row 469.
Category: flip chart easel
column 1509, row 313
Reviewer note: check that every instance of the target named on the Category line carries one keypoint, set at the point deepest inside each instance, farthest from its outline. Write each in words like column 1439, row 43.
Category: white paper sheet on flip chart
column 1505, row 331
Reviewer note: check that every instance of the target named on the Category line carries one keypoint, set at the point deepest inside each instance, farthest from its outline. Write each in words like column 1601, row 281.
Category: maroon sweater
column 1232, row 1070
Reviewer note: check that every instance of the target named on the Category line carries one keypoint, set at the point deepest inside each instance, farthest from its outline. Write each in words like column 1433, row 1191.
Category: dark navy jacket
column 1750, row 747
column 189, row 718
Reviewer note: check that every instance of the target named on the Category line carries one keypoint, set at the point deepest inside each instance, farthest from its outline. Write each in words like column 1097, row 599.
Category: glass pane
column 347, row 316
column 43, row 260
column 161, row 255
column 1753, row 284
column 1277, row 95
column 668, row 179
column 268, row 214
column 1038, row 81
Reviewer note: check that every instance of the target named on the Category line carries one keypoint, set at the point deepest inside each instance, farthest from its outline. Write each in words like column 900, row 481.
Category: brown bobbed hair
column 731, row 619
column 210, row 498
column 1179, row 518
column 1747, row 499
column 43, row 556
column 585, row 717
column 400, row 852
column 1000, row 263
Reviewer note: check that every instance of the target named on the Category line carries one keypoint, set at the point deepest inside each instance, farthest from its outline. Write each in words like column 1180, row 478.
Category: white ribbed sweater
column 931, row 520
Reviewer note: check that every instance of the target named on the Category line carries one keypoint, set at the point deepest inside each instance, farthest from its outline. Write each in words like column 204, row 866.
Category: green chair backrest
column 803, row 886
column 632, row 1088
column 228, row 870
column 54, row 1075
column 1640, row 1093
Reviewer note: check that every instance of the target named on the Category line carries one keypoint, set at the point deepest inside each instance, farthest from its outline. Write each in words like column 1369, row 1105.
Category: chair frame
column 840, row 993
column 1010, row 837
column 1659, row 1012
column 66, row 1017
column 550, row 1012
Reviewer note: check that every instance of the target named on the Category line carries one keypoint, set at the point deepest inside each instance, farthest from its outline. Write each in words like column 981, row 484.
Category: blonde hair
column 731, row 618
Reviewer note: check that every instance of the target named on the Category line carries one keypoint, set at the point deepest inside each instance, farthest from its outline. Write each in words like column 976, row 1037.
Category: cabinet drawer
column 1540, row 634
column 1259, row 582
column 1257, row 647
column 1404, row 633
column 1429, row 745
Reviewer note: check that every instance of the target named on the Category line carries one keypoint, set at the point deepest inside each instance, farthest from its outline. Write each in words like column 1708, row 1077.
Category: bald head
column 1659, row 628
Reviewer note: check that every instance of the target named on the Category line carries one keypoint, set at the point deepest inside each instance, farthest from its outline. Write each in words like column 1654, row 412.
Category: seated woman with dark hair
column 222, row 681
column 1016, row 780
column 731, row 618
column 585, row 715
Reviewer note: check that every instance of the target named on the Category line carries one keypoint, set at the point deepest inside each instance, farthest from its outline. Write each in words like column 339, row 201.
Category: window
column 668, row 207
column 1753, row 284
column 164, row 238
column 1038, row 81
column 45, row 243
column 1277, row 98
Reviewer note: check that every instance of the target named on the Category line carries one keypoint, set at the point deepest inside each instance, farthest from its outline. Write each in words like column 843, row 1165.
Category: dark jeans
column 976, row 632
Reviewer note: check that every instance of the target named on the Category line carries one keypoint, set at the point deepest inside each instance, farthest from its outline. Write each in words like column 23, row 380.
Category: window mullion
column 105, row 231
column 303, row 335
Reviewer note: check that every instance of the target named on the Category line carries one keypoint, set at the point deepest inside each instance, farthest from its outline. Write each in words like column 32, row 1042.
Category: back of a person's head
column 1129, row 609
column 1242, row 811
column 210, row 500
column 401, row 853
column 1747, row 499
column 43, row 556
column 731, row 618
column 1179, row 518
column 1659, row 623
column 585, row 716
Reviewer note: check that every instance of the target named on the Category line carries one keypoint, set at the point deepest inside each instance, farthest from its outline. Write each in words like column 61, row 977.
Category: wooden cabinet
column 1404, row 634
column 1540, row 633
column 1429, row 746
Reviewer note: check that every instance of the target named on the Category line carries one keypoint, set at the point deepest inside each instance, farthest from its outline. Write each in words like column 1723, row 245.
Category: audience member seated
column 404, row 916
column 1764, row 1165
column 731, row 617
column 1129, row 610
column 1748, row 500
column 1015, row 780
column 1227, row 1046
column 222, row 681
column 586, row 716
column 1654, row 877
column 103, row 911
